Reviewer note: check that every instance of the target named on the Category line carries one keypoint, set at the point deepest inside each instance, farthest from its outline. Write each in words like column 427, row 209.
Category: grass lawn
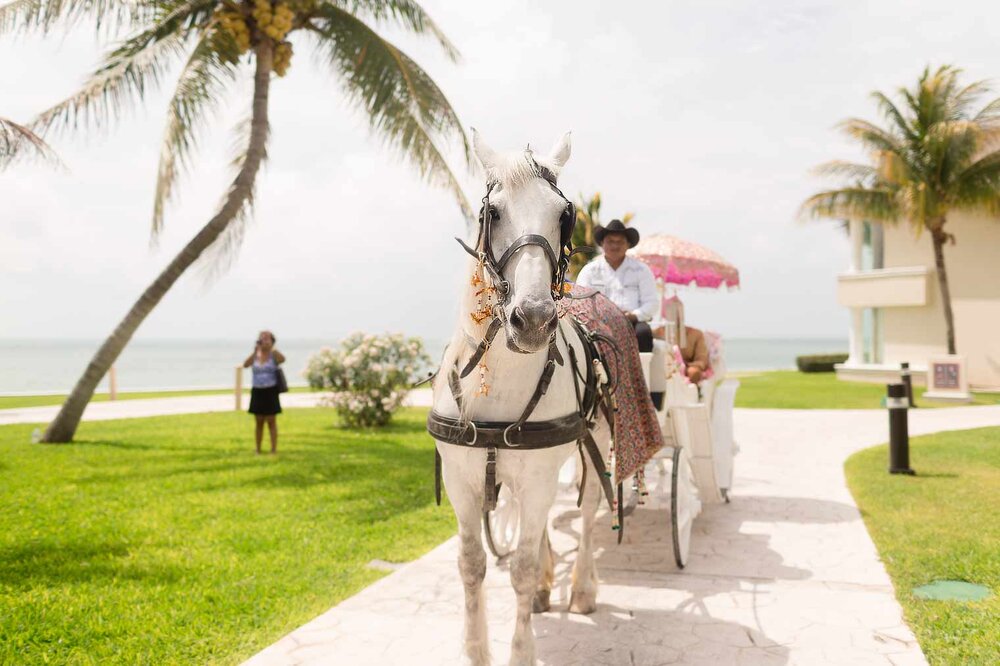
column 168, row 541
column 19, row 401
column 791, row 389
column 941, row 524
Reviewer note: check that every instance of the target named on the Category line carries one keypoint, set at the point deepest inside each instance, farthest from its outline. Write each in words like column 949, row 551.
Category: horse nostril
column 550, row 327
column 517, row 319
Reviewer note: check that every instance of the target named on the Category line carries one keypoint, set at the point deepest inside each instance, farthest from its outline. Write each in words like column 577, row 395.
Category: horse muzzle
column 531, row 324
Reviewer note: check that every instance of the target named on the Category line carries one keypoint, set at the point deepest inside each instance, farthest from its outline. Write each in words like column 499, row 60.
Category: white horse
column 522, row 202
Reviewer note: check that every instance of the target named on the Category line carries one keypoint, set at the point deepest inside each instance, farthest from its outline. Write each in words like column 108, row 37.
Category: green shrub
column 819, row 362
column 368, row 375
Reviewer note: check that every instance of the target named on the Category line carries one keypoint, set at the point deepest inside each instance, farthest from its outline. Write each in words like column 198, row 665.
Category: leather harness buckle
column 506, row 436
column 475, row 434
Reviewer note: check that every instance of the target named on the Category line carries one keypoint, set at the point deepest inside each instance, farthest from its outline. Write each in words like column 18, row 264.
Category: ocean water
column 51, row 366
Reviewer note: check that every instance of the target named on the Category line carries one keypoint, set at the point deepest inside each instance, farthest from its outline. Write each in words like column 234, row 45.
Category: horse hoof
column 582, row 604
column 541, row 603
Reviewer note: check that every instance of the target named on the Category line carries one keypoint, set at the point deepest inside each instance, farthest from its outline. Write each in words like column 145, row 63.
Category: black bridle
column 558, row 261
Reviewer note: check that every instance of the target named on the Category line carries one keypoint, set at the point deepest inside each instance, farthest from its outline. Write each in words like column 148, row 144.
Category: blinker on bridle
column 559, row 262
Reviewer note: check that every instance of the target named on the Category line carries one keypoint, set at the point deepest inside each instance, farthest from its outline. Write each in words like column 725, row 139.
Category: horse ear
column 561, row 151
column 487, row 156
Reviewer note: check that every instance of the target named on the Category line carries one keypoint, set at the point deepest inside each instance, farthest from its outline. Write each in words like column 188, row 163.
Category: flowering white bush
column 369, row 375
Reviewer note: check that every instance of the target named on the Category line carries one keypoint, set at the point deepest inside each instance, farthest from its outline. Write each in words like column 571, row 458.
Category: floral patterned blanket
column 637, row 430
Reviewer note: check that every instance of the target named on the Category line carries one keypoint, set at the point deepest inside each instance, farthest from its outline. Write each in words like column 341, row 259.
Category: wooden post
column 112, row 384
column 239, row 387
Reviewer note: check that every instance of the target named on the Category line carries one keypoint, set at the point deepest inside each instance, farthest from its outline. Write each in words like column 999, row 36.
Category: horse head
column 526, row 225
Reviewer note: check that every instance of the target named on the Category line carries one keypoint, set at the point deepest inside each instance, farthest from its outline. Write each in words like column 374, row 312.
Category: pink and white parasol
column 677, row 261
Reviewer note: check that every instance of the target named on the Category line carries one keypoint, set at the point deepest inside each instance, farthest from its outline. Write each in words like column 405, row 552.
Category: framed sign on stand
column 947, row 379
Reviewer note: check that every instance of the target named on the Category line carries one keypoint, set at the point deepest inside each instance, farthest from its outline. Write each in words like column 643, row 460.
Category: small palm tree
column 587, row 218
column 17, row 140
column 938, row 154
column 214, row 42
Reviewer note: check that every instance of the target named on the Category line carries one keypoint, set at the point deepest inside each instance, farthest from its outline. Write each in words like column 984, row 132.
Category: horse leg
column 583, row 595
column 525, row 567
column 461, row 469
column 547, row 563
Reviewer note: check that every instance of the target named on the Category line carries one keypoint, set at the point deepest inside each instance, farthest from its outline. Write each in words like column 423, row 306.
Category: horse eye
column 494, row 213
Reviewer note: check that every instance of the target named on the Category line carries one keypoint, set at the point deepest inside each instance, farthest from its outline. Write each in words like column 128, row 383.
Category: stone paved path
column 786, row 574
column 127, row 409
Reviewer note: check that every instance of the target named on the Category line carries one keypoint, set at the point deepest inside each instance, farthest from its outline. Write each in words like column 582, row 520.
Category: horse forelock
column 517, row 168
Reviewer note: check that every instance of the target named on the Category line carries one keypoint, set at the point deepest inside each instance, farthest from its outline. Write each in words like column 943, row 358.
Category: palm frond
column 127, row 73
column 200, row 89
column 405, row 13
column 873, row 137
column 43, row 15
column 989, row 114
column 967, row 97
column 978, row 185
column 891, row 112
column 852, row 203
column 864, row 173
column 17, row 141
column 404, row 105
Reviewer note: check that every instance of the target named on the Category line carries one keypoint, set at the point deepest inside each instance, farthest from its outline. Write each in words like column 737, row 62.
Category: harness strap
column 540, row 390
column 595, row 457
column 621, row 514
column 437, row 475
column 492, row 489
column 528, row 239
column 481, row 350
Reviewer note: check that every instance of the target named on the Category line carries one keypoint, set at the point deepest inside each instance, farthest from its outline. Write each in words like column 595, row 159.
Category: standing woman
column 264, row 402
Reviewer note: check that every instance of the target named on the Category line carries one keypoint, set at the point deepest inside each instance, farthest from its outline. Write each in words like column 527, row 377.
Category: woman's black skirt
column 264, row 401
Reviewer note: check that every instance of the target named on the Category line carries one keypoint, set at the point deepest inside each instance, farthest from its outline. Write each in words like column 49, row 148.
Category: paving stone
column 785, row 574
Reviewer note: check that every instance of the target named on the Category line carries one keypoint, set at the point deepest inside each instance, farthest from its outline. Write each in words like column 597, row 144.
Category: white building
column 892, row 292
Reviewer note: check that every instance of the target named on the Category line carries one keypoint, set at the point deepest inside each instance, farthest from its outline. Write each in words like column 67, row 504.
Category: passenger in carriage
column 627, row 282
column 695, row 354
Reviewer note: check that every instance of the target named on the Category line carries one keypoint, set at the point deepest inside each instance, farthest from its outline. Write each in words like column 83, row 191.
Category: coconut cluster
column 282, row 58
column 261, row 18
column 275, row 21
column 233, row 23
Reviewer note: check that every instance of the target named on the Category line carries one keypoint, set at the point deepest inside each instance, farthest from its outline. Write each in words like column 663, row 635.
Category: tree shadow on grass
column 78, row 561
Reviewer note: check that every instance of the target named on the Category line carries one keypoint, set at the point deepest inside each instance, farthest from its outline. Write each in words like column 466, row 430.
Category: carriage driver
column 627, row 282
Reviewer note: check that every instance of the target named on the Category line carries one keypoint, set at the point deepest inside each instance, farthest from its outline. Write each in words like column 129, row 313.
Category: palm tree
column 215, row 41
column 936, row 155
column 17, row 140
column 587, row 218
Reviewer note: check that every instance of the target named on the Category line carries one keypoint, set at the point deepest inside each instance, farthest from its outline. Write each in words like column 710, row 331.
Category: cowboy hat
column 616, row 227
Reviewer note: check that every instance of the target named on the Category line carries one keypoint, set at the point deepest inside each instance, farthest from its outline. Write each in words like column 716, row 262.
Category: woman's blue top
column 265, row 375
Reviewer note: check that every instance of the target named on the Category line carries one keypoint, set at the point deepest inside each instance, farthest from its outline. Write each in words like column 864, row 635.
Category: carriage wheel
column 502, row 525
column 681, row 496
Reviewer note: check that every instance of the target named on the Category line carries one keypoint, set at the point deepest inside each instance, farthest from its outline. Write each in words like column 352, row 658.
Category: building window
column 871, row 335
column 871, row 247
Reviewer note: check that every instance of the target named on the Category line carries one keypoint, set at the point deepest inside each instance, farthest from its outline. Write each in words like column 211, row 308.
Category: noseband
column 558, row 262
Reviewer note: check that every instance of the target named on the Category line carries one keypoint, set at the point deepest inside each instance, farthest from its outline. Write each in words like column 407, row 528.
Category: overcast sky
column 701, row 117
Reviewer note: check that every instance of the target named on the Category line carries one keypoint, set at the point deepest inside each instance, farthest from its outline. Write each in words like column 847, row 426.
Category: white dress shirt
column 632, row 287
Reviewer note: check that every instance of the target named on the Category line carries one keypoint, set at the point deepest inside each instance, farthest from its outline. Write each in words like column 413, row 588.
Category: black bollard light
column 904, row 375
column 899, row 435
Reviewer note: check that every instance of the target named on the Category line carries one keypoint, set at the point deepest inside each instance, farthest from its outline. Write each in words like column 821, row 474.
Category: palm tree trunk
column 939, row 238
column 64, row 426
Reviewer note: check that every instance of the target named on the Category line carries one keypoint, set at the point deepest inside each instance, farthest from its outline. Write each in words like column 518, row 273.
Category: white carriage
column 698, row 452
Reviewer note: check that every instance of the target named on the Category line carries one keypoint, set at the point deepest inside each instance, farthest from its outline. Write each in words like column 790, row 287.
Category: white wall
column 973, row 264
